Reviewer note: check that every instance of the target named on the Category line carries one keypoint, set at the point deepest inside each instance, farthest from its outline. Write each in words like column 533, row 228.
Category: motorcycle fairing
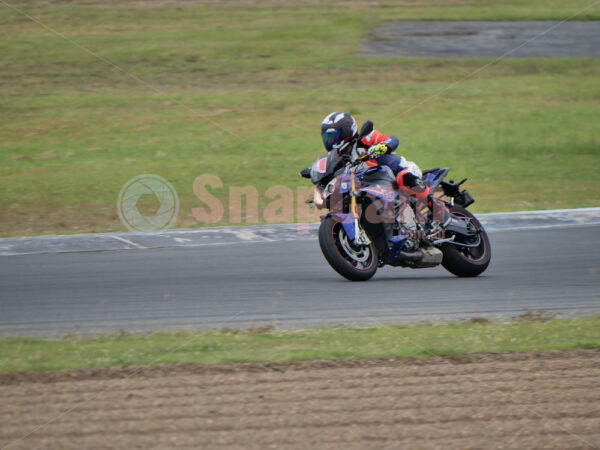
column 380, row 184
column 387, row 196
column 324, row 166
column 434, row 177
column 398, row 244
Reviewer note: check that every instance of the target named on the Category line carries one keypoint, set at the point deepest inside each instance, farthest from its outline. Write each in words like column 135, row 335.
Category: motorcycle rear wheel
column 349, row 260
column 463, row 261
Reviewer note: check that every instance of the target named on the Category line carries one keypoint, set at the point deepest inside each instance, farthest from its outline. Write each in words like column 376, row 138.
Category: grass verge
column 74, row 129
column 413, row 341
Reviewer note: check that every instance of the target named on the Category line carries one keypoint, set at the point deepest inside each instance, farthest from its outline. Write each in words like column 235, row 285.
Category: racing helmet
column 338, row 129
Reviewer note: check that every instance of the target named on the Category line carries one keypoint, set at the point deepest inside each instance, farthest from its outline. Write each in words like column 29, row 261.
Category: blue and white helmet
column 338, row 130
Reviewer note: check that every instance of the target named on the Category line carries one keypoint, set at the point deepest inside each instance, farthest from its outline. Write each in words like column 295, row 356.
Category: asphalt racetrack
column 476, row 39
column 289, row 284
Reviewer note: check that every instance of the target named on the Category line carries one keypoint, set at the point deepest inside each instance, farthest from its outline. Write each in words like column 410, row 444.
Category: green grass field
column 413, row 341
column 74, row 128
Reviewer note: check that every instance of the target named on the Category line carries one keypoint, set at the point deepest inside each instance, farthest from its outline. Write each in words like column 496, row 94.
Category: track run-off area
column 513, row 401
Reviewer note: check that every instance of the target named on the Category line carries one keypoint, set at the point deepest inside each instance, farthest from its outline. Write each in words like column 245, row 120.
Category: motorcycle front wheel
column 354, row 262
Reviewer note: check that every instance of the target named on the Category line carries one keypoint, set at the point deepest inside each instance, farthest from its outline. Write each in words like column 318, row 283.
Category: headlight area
column 318, row 198
column 330, row 188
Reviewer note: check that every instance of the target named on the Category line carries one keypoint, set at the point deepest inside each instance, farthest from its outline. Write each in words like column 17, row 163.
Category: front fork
column 360, row 237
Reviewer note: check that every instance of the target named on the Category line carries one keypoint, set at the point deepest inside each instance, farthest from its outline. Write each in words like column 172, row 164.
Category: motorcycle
column 371, row 223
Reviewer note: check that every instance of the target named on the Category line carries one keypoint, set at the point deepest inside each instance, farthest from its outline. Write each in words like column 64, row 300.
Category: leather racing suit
column 408, row 175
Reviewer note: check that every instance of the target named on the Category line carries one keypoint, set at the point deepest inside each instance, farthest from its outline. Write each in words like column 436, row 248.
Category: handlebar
column 359, row 160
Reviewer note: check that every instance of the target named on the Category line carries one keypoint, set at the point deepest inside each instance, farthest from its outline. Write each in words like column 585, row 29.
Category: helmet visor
column 330, row 138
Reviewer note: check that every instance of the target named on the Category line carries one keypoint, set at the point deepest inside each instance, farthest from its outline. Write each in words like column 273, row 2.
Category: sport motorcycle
column 371, row 223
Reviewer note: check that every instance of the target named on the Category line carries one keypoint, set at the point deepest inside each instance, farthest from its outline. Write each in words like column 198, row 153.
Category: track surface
column 547, row 400
column 455, row 39
column 288, row 284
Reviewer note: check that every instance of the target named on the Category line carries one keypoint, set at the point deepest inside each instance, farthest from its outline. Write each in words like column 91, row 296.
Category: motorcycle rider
column 339, row 132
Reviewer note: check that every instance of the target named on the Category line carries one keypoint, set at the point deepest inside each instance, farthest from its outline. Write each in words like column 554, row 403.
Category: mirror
column 365, row 129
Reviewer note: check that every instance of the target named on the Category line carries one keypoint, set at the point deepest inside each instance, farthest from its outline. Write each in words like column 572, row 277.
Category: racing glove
column 377, row 150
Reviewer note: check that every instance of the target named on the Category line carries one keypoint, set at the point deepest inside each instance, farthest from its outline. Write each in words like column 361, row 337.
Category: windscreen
column 324, row 167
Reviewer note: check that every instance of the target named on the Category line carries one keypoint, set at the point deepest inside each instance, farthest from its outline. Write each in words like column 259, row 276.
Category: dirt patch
column 530, row 400
column 518, row 39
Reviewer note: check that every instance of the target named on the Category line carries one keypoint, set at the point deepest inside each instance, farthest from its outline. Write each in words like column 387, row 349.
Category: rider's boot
column 407, row 226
